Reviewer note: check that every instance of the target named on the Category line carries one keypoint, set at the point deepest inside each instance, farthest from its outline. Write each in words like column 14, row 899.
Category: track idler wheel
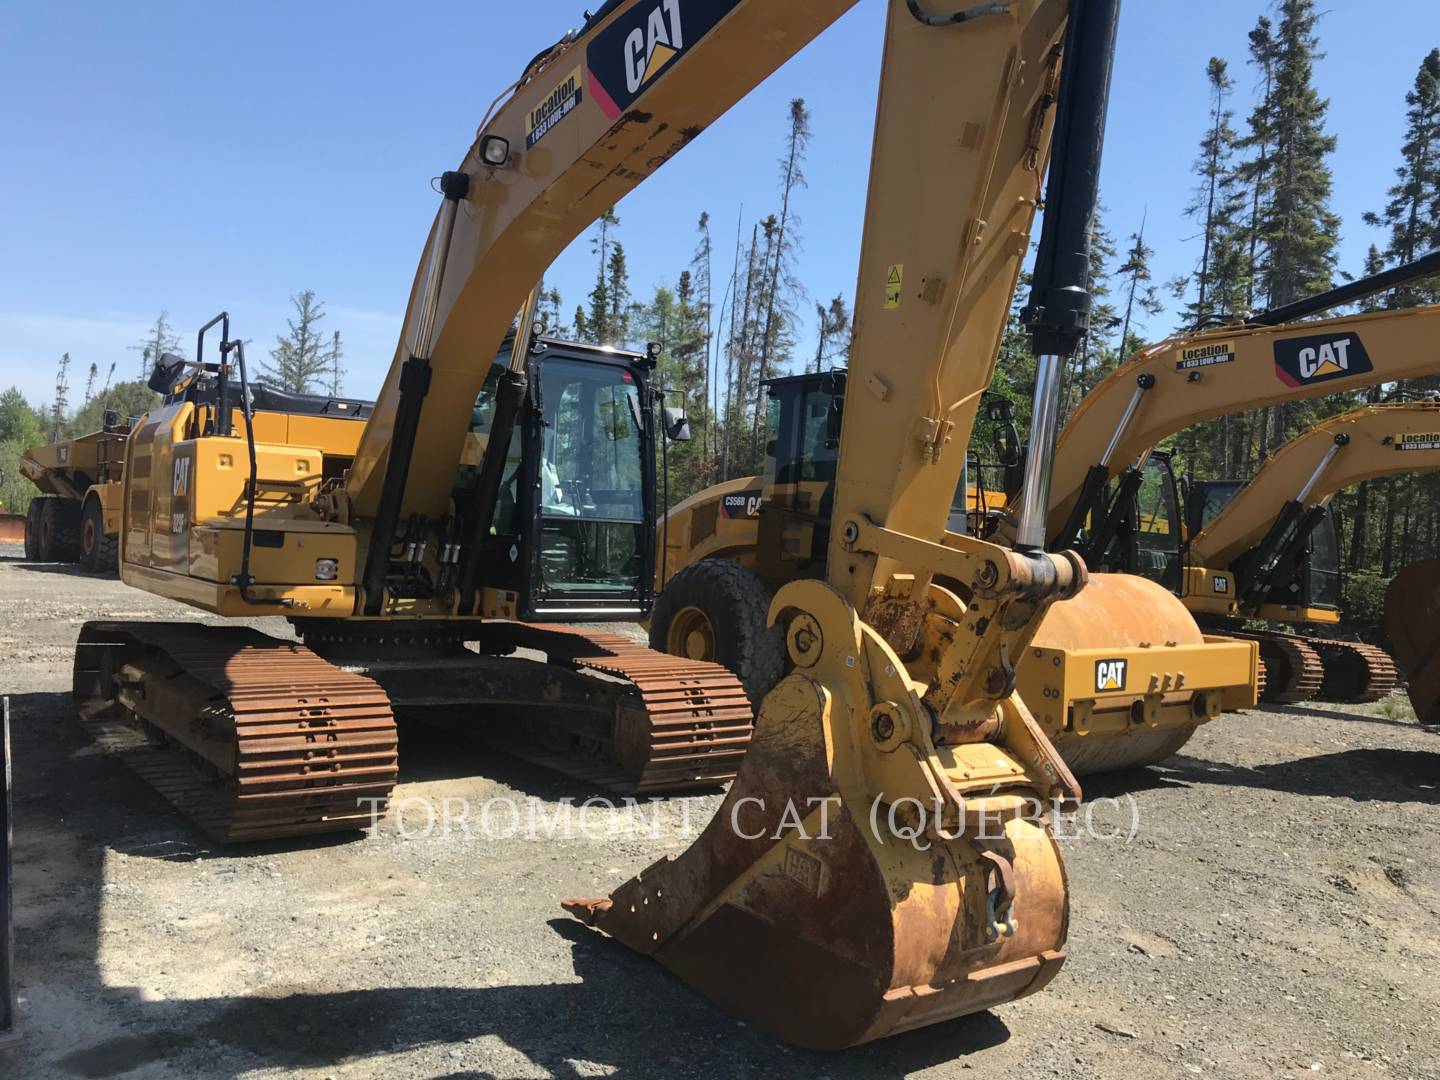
column 800, row 911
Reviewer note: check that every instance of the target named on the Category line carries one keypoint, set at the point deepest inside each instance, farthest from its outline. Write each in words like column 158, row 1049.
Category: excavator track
column 1291, row 670
column 601, row 707
column 684, row 727
column 1297, row 668
column 250, row 737
column 1355, row 671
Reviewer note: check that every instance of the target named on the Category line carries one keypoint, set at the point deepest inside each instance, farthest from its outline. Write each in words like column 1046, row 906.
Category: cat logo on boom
column 628, row 56
column 1110, row 675
column 1304, row 361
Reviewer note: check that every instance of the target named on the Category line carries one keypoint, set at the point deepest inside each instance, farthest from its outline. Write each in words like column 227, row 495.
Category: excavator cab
column 1147, row 538
column 1310, row 579
column 570, row 534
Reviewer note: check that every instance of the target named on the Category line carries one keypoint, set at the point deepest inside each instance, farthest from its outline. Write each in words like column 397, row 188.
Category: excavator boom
column 1185, row 380
column 588, row 120
column 1365, row 443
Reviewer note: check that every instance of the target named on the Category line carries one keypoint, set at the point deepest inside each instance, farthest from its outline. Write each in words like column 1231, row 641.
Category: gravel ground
column 1276, row 913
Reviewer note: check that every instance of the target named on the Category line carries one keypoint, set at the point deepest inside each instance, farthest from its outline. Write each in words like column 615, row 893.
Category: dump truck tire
column 59, row 529
column 716, row 610
column 32, row 530
column 98, row 549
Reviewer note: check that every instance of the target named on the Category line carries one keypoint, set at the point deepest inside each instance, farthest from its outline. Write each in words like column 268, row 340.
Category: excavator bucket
column 802, row 911
column 1412, row 622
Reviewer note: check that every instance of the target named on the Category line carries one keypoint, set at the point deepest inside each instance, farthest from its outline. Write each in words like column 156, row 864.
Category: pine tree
column 596, row 323
column 1411, row 216
column 160, row 340
column 834, row 336
column 1139, row 291
column 62, row 400
column 334, row 356
column 300, row 360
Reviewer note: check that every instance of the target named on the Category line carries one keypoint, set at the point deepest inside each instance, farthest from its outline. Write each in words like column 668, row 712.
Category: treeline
column 722, row 333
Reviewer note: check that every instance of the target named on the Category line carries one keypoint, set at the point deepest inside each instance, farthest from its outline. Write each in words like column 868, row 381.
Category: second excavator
column 1268, row 549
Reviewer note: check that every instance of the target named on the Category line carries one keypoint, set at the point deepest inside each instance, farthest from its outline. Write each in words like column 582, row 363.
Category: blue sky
column 197, row 156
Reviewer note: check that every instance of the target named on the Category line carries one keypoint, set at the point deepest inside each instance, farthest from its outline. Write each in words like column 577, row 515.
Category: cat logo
column 633, row 51
column 1303, row 361
column 1220, row 583
column 744, row 504
column 181, row 486
column 1110, row 674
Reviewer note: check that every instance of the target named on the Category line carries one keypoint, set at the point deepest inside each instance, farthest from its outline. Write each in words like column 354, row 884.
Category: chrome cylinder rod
column 1341, row 441
column 1142, row 384
column 1040, row 464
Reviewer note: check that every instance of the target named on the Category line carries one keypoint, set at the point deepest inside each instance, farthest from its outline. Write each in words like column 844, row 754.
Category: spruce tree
column 596, row 324
column 160, row 340
column 1220, row 276
column 1411, row 215
column 301, row 361
column 1295, row 228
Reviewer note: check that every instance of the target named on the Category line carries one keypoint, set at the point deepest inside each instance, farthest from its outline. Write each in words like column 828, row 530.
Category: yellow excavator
column 884, row 858
column 1268, row 548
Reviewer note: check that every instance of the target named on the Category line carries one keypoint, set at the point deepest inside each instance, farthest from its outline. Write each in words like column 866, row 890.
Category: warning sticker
column 1208, row 355
column 893, row 281
column 542, row 119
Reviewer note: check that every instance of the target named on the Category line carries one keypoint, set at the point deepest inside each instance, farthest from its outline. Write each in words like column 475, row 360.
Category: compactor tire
column 59, row 529
column 98, row 549
column 725, row 605
column 32, row 530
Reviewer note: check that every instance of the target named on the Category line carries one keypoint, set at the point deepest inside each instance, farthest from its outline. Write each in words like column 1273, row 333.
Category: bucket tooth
column 797, row 910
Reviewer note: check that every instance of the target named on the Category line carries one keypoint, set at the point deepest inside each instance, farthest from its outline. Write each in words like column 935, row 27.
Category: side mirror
column 677, row 425
column 166, row 373
column 1000, row 409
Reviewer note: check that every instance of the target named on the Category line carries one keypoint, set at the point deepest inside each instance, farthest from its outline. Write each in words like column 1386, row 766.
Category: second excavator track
column 1302, row 668
column 1291, row 671
column 1355, row 671
column 250, row 737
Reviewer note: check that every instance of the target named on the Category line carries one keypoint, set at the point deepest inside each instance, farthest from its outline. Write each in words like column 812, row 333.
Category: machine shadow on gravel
column 1380, row 774
column 306, row 1030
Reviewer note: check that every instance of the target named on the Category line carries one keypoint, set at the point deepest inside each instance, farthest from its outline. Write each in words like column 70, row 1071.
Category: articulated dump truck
column 76, row 516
